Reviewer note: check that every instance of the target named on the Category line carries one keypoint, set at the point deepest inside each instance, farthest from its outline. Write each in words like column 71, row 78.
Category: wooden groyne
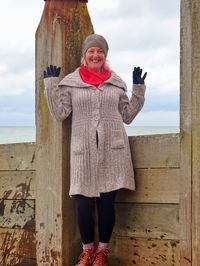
column 148, row 221
column 17, row 204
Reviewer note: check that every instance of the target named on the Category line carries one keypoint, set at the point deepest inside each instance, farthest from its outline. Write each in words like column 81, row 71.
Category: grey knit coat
column 107, row 166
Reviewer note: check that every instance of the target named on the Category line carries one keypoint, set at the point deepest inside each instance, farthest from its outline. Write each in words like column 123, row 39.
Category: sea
column 16, row 134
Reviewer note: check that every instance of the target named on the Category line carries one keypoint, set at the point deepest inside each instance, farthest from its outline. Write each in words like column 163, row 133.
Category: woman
column 100, row 154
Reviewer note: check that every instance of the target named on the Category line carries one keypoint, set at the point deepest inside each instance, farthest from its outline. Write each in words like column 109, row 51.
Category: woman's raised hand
column 137, row 76
column 52, row 71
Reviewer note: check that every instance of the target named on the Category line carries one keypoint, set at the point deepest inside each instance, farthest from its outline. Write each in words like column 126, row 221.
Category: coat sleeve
column 58, row 98
column 130, row 108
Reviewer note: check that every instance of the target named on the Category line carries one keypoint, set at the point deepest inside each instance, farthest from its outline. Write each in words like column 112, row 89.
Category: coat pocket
column 78, row 144
column 117, row 139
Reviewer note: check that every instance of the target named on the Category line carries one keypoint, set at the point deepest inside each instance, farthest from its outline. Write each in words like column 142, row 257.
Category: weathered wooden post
column 190, row 130
column 63, row 27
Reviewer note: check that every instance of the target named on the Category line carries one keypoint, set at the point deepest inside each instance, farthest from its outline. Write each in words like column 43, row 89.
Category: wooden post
column 62, row 29
column 190, row 129
column 195, row 82
column 185, row 135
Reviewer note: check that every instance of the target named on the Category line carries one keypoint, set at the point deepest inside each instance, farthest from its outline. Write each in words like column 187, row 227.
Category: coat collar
column 74, row 80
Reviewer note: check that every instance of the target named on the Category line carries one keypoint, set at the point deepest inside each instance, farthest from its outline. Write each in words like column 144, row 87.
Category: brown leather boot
column 86, row 258
column 101, row 257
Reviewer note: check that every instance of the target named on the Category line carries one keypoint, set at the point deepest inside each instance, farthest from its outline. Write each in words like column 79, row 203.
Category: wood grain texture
column 62, row 29
column 154, row 186
column 17, row 247
column 195, row 112
column 148, row 221
column 155, row 151
column 17, row 214
column 17, row 184
column 186, row 107
column 159, row 185
column 19, row 156
column 127, row 251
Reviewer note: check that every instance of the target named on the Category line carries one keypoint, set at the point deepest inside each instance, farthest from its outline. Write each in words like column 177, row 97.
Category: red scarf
column 92, row 77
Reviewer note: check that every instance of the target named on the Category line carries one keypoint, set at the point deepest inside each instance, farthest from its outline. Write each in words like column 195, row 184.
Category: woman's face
column 95, row 58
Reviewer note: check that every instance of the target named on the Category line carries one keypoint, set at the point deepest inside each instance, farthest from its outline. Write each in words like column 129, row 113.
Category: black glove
column 52, row 71
column 137, row 78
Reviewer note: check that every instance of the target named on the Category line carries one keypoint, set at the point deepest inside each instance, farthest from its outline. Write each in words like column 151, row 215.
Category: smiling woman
column 158, row 224
column 95, row 59
column 94, row 53
column 97, row 99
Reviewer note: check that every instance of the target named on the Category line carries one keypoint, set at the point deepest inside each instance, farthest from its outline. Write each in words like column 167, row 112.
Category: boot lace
column 86, row 258
column 101, row 258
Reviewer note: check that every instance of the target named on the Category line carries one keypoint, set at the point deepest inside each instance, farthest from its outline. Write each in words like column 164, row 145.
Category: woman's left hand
column 137, row 76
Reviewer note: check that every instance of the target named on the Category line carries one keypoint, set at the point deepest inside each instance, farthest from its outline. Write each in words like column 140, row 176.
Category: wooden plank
column 17, row 247
column 155, row 151
column 17, row 184
column 17, row 214
column 19, row 156
column 153, row 186
column 147, row 220
column 194, row 35
column 126, row 251
column 186, row 107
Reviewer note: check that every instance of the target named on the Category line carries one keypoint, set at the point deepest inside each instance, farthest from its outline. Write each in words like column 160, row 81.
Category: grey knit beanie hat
column 95, row 40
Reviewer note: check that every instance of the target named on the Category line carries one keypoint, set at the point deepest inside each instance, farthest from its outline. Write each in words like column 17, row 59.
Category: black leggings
column 85, row 207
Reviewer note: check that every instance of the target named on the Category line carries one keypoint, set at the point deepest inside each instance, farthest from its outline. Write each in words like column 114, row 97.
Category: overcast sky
column 139, row 32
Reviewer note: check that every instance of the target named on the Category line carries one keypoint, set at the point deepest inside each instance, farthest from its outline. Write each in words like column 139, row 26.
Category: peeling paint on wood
column 159, row 221
column 17, row 184
column 129, row 251
column 17, row 214
column 17, row 247
column 20, row 216
column 19, row 156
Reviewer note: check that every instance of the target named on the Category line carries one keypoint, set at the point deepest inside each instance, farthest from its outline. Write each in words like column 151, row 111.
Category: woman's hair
column 106, row 65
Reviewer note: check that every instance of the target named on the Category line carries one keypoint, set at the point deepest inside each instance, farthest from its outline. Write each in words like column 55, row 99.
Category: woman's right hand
column 52, row 71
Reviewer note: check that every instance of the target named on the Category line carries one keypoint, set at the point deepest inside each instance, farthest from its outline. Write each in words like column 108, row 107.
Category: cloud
column 136, row 21
column 16, row 84
column 111, row 9
column 144, row 33
column 19, row 22
column 16, row 63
